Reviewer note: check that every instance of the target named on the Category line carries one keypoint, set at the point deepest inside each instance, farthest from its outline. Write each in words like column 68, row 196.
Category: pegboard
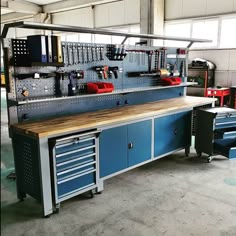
column 87, row 57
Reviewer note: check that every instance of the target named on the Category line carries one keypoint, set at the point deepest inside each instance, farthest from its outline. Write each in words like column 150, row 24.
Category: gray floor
column 172, row 196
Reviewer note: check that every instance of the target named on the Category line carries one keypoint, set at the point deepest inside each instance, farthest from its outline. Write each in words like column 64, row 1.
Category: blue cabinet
column 139, row 142
column 112, row 150
column 124, row 146
column 172, row 132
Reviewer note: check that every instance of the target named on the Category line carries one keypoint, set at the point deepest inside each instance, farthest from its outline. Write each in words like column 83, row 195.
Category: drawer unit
column 226, row 147
column 74, row 162
column 216, row 132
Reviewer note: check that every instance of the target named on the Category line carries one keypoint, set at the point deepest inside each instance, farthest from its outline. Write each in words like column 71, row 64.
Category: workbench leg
column 20, row 195
column 45, row 177
column 221, row 101
column 100, row 186
column 187, row 151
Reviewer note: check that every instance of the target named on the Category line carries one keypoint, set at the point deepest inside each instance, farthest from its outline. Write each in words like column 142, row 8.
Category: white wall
column 178, row 9
column 79, row 17
column 225, row 61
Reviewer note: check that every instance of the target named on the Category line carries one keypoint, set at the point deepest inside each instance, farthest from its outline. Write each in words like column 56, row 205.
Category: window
column 207, row 29
column 220, row 30
column 125, row 29
column 228, row 33
column 100, row 38
column 178, row 30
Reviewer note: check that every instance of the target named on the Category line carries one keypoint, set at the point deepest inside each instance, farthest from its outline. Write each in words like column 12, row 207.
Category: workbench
column 67, row 136
column 218, row 92
column 125, row 138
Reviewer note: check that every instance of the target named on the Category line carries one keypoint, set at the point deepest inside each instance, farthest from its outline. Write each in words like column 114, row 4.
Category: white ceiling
column 43, row 2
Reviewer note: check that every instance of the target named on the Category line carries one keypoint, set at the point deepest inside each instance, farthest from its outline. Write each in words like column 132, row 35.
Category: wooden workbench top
column 89, row 120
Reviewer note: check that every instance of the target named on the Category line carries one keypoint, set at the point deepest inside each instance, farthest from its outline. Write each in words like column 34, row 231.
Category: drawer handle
column 75, row 151
column 64, row 144
column 176, row 131
column 130, row 145
column 76, row 168
column 74, row 177
column 75, row 159
column 96, row 132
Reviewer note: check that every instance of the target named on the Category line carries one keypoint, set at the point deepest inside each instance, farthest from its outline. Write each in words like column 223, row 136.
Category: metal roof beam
column 73, row 4
column 75, row 29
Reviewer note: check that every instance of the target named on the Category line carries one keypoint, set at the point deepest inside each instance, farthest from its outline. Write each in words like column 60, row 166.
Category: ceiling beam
column 16, row 16
column 73, row 4
column 24, row 7
column 4, row 4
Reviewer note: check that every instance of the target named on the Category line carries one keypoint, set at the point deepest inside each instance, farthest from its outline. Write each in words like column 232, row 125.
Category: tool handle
column 104, row 74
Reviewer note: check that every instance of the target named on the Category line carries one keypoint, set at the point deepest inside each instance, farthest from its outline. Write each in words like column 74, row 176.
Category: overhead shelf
column 76, row 29
column 120, row 91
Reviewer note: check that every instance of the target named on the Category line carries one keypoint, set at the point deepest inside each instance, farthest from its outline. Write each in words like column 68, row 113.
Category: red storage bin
column 99, row 87
column 171, row 80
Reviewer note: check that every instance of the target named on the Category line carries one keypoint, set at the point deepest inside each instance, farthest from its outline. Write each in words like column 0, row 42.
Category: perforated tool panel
column 87, row 58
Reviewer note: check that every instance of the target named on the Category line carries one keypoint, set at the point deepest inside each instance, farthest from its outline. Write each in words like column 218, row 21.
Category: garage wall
column 105, row 15
column 179, row 9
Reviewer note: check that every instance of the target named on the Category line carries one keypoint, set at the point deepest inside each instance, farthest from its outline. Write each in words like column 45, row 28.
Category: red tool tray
column 99, row 87
column 171, row 80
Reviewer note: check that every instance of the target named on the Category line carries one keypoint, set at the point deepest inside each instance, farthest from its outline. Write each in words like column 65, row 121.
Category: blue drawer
column 225, row 133
column 66, row 157
column 75, row 162
column 75, row 184
column 226, row 147
column 77, row 170
column 73, row 145
column 225, row 122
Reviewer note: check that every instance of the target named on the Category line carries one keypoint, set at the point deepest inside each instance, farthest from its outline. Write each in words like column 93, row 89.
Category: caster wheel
column 91, row 194
column 209, row 159
column 199, row 154
column 99, row 192
column 47, row 216
column 187, row 151
column 57, row 210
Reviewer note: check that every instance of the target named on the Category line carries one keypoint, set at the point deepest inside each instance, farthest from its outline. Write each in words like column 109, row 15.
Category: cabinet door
column 183, row 129
column 139, row 142
column 112, row 150
column 164, row 135
column 172, row 132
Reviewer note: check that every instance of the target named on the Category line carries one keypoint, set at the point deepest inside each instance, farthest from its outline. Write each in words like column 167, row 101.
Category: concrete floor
column 174, row 196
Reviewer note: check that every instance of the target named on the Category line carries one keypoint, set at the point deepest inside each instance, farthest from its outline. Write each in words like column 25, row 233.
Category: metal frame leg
column 100, row 187
column 45, row 177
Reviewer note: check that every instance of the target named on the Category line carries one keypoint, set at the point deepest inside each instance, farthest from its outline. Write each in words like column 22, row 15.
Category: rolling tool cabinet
column 68, row 138
column 74, row 164
column 216, row 132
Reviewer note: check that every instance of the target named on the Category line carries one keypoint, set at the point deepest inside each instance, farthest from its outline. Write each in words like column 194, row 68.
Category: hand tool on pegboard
column 59, row 83
column 114, row 70
column 102, row 71
column 72, row 83
column 162, row 58
column 65, row 54
column 157, row 60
